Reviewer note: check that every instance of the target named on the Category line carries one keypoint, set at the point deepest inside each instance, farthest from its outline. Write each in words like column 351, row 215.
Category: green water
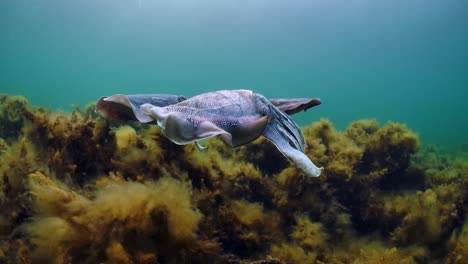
column 403, row 61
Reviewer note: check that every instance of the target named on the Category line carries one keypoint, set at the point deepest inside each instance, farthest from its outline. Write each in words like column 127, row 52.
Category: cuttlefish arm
column 279, row 137
column 284, row 133
column 123, row 107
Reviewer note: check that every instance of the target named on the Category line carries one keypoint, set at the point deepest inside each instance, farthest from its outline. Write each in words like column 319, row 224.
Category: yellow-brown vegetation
column 76, row 188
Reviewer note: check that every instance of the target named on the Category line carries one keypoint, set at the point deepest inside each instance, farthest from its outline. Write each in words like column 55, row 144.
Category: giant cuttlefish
column 237, row 116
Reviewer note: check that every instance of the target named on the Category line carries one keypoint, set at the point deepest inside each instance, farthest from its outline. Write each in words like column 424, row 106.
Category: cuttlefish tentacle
column 284, row 133
column 281, row 122
column 277, row 137
column 239, row 117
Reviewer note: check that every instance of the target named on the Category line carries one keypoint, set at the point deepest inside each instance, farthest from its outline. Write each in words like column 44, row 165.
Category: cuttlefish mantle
column 238, row 117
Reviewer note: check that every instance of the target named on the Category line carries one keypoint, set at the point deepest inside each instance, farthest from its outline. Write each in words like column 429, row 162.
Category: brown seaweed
column 76, row 188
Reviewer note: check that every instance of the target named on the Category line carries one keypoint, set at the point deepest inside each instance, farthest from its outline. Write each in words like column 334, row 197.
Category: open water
column 402, row 61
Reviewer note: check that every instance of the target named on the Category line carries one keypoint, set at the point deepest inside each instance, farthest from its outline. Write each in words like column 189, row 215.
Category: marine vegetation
column 77, row 188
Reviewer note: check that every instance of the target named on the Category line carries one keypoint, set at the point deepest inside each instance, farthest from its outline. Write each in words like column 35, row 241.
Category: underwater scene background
column 391, row 132
column 402, row 61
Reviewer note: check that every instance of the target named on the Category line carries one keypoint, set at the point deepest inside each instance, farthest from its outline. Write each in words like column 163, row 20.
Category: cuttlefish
column 237, row 116
column 124, row 107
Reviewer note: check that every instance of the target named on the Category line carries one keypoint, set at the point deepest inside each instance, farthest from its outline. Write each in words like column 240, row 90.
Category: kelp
column 76, row 188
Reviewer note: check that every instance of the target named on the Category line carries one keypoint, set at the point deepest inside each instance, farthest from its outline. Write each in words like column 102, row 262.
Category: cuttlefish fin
column 295, row 105
column 246, row 132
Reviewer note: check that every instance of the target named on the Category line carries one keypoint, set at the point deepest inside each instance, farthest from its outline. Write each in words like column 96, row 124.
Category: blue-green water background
column 399, row 60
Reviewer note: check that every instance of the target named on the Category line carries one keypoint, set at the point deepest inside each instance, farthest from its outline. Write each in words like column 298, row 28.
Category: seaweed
column 76, row 188
column 65, row 221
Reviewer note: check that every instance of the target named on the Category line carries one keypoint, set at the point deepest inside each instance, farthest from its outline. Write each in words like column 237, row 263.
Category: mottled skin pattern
column 238, row 116
column 222, row 108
